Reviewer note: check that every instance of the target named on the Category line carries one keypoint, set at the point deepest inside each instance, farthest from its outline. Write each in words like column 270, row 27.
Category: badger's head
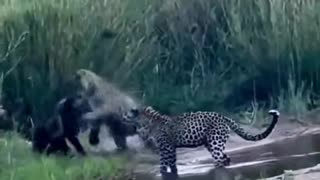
column 140, row 116
column 75, row 104
column 138, row 113
column 132, row 115
column 146, row 127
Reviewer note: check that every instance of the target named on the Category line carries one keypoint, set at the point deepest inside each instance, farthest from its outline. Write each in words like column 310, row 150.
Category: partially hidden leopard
column 190, row 130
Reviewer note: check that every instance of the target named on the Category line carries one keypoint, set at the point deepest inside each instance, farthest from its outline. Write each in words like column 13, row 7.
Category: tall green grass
column 176, row 55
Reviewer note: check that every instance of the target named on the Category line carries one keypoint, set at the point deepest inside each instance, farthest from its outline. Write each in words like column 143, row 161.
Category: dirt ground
column 312, row 173
column 292, row 145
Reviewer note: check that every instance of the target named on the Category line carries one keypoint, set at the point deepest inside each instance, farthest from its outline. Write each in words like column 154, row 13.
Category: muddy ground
column 291, row 146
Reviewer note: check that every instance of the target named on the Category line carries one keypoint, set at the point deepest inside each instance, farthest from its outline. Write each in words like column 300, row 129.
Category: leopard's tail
column 247, row 136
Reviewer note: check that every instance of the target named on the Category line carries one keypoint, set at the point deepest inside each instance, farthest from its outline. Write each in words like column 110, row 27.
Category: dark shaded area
column 18, row 117
column 108, row 34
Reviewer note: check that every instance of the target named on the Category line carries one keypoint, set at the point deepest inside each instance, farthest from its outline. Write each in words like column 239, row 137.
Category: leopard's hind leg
column 215, row 143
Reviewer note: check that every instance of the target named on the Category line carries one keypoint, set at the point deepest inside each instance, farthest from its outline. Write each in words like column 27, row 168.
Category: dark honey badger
column 65, row 124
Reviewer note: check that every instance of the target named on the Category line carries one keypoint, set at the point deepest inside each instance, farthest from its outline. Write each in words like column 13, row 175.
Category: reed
column 176, row 55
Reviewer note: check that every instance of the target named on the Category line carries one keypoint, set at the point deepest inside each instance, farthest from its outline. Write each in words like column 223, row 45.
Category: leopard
column 191, row 130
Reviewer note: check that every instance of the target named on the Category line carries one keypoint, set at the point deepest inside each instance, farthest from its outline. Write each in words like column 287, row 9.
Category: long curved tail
column 247, row 136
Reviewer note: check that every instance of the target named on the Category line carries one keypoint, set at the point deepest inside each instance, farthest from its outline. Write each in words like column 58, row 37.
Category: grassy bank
column 176, row 55
column 17, row 162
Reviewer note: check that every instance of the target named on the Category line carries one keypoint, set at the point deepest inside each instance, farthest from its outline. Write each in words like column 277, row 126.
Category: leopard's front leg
column 168, row 158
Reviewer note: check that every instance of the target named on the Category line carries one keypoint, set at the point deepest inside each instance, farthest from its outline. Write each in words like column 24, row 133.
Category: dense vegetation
column 176, row 55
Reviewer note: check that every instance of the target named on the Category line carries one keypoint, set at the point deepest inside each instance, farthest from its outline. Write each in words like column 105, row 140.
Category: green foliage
column 177, row 56
column 295, row 100
column 17, row 162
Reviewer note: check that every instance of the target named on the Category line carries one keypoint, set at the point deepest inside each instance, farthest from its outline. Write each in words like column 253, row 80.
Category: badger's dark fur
column 65, row 124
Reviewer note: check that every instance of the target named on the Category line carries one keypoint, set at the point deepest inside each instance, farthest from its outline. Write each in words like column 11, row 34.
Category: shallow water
column 267, row 158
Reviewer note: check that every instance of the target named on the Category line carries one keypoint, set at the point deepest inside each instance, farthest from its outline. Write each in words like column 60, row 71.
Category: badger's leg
column 76, row 143
column 94, row 135
column 57, row 145
column 121, row 142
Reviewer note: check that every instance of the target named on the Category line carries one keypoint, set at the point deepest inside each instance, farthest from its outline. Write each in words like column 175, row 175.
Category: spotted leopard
column 189, row 130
